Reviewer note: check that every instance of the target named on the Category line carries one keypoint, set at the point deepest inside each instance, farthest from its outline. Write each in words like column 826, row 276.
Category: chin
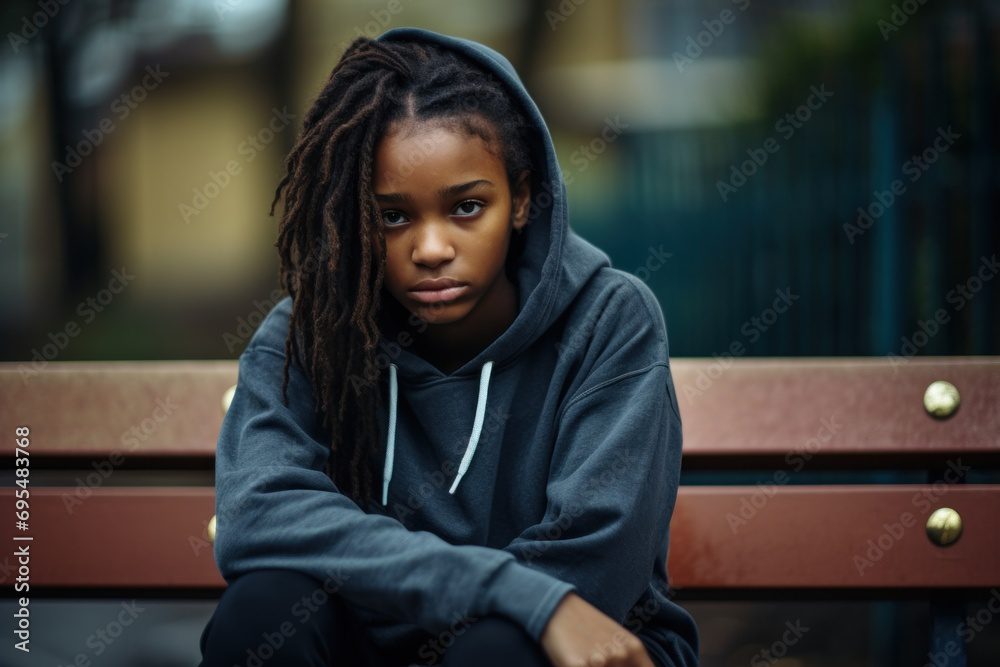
column 440, row 314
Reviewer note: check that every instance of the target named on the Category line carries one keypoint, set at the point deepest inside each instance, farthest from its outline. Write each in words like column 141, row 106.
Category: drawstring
column 470, row 449
column 390, row 446
column 477, row 426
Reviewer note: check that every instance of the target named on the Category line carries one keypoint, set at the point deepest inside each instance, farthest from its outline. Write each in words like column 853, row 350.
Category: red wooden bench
column 121, row 496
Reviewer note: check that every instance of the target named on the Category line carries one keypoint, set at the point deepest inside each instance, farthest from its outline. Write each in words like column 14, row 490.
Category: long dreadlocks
column 330, row 241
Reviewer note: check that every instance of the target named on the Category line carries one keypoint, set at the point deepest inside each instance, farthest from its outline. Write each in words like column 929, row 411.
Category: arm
column 614, row 473
column 276, row 508
column 609, row 493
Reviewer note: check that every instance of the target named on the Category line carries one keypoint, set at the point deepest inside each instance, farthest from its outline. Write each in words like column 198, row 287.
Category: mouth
column 439, row 295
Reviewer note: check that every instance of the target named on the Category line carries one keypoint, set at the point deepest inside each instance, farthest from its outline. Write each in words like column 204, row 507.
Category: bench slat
column 835, row 536
column 148, row 537
column 867, row 408
column 155, row 537
column 87, row 410
column 736, row 413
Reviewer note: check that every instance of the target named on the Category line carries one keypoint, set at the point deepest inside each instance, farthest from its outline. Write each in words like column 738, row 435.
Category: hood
column 554, row 266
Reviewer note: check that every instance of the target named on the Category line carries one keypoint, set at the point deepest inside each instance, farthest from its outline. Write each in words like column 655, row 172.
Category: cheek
column 499, row 237
column 393, row 261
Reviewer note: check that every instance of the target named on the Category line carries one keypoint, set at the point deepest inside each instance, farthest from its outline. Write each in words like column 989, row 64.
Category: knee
column 274, row 592
column 270, row 611
column 496, row 631
column 495, row 640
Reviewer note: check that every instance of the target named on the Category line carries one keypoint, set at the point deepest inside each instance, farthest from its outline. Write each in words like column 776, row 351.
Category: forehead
column 427, row 154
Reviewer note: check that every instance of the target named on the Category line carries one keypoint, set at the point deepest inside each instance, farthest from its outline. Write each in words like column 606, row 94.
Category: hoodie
column 547, row 464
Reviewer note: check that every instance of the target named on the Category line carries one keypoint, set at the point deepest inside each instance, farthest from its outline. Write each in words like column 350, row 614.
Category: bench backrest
column 121, row 457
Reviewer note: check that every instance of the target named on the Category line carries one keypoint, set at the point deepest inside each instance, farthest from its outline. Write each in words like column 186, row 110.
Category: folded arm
column 277, row 508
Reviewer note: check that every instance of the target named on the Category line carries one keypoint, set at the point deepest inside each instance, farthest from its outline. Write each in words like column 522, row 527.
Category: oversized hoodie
column 549, row 463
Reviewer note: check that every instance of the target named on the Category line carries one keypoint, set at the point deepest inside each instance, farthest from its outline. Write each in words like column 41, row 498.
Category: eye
column 467, row 208
column 391, row 217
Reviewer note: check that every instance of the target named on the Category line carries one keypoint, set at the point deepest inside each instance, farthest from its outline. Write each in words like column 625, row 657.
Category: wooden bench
column 121, row 461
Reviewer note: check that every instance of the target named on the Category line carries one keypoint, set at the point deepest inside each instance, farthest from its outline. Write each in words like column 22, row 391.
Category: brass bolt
column 944, row 526
column 941, row 399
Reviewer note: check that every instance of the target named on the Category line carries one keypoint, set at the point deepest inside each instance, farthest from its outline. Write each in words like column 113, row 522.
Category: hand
column 580, row 635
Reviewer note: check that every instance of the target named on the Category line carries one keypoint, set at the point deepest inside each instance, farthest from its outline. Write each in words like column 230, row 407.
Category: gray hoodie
column 548, row 463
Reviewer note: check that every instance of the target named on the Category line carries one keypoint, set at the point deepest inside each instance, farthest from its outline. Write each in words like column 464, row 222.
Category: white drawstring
column 390, row 447
column 470, row 449
column 477, row 426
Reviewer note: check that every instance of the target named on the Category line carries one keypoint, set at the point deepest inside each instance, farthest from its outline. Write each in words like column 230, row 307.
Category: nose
column 432, row 244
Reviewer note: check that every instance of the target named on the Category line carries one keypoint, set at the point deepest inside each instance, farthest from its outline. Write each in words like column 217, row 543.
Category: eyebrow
column 443, row 193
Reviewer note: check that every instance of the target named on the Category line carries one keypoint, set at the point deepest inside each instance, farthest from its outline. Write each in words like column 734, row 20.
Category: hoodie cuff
column 528, row 596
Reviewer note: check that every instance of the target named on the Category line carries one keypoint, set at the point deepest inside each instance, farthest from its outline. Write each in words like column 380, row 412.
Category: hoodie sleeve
column 615, row 470
column 277, row 508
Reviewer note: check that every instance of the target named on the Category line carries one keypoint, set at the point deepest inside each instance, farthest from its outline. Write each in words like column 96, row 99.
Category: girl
column 457, row 440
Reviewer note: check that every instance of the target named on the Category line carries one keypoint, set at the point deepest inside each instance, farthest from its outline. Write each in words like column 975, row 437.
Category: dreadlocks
column 330, row 240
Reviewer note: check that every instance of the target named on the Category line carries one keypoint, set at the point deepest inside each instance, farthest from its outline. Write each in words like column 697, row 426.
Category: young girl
column 457, row 440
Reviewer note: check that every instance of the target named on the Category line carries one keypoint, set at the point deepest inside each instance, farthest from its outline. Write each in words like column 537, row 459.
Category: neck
column 449, row 346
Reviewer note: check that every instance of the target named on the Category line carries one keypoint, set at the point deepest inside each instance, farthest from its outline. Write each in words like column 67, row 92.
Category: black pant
column 260, row 622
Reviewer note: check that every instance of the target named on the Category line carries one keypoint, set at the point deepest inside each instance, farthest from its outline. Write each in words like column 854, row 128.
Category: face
column 447, row 212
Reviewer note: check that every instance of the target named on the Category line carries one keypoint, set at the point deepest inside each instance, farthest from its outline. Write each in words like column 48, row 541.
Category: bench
column 121, row 460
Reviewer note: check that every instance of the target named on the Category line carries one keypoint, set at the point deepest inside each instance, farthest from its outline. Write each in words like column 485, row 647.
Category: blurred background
column 119, row 120
column 838, row 156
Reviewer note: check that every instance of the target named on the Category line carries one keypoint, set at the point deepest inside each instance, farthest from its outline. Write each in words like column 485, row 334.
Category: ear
column 521, row 200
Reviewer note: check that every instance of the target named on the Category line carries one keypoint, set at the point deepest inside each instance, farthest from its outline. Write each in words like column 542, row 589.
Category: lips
column 438, row 290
